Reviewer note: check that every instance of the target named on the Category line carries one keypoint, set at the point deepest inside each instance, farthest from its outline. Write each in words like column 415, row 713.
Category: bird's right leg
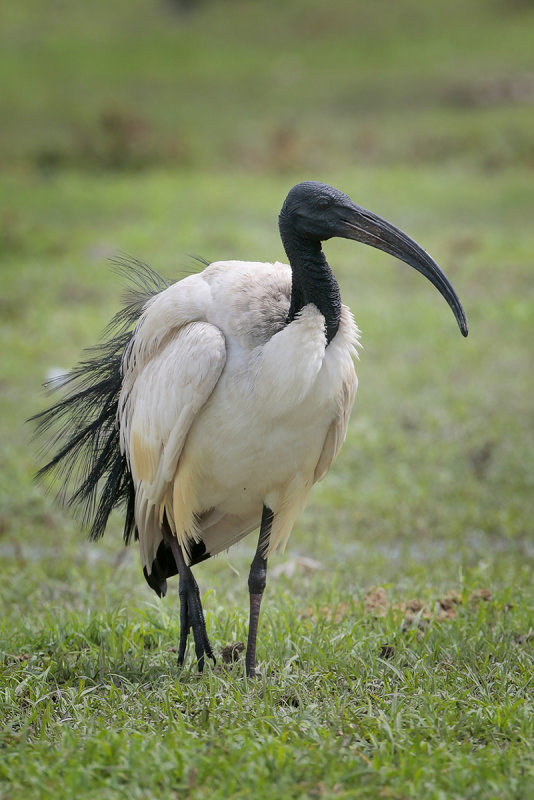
column 191, row 614
column 256, row 585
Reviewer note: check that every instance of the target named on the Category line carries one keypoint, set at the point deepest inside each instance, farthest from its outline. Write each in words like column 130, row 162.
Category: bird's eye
column 323, row 202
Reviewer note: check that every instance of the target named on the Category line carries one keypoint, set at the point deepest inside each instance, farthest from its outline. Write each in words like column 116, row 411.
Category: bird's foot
column 192, row 616
column 252, row 672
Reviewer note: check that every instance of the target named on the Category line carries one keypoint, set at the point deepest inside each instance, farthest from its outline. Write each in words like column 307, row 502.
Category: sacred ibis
column 219, row 400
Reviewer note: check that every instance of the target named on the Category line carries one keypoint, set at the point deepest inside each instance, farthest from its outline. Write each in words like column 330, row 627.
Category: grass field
column 397, row 631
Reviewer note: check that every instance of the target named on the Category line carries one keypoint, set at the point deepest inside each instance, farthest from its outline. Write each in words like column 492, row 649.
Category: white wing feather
column 343, row 350
column 338, row 429
column 161, row 402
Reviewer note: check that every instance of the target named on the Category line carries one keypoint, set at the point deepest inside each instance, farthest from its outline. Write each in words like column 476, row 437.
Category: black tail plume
column 83, row 425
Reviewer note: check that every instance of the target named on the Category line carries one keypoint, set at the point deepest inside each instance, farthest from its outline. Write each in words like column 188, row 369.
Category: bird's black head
column 314, row 212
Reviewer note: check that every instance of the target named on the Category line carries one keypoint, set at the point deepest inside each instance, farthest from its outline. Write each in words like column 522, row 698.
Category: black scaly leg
column 191, row 614
column 256, row 584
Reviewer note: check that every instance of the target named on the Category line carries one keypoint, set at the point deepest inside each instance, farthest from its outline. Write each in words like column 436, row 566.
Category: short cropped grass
column 396, row 637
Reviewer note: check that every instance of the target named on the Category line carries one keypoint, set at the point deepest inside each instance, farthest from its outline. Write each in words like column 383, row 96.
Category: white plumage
column 225, row 409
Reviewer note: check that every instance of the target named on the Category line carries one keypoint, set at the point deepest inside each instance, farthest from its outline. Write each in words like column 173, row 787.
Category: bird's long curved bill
column 368, row 228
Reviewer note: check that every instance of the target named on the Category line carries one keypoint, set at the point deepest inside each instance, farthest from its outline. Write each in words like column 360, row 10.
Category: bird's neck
column 312, row 281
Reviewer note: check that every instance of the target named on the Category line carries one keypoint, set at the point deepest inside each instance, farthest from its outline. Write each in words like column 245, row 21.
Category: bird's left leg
column 191, row 614
column 257, row 580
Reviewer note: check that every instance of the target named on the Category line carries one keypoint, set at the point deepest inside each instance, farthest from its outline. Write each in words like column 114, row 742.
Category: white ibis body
column 227, row 401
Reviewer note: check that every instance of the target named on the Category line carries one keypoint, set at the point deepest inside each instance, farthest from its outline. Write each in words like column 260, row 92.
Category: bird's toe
column 192, row 618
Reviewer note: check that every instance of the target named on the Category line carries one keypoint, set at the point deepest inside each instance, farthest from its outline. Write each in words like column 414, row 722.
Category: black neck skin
column 312, row 279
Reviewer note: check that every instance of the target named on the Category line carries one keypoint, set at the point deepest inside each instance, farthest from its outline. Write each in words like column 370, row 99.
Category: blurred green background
column 266, row 87
column 163, row 129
